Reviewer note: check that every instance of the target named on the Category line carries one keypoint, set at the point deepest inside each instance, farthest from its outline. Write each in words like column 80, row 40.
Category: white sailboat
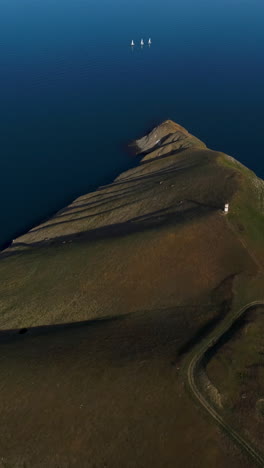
column 132, row 43
column 141, row 42
column 149, row 41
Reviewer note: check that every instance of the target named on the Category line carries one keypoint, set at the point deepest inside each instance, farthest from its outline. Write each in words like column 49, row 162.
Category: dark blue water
column 72, row 92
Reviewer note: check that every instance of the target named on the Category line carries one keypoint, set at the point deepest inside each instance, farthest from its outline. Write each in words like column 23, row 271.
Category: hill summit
column 103, row 305
column 157, row 237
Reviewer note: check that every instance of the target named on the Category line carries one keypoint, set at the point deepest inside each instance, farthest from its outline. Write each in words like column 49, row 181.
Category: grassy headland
column 123, row 283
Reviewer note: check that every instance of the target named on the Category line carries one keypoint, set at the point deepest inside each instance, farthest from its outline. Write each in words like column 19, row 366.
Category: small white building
column 226, row 209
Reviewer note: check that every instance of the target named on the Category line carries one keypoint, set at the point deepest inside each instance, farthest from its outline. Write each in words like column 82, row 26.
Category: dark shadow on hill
column 132, row 186
column 163, row 156
column 14, row 334
column 179, row 213
column 176, row 138
column 205, row 329
column 115, row 338
column 233, row 332
column 135, row 150
column 170, row 169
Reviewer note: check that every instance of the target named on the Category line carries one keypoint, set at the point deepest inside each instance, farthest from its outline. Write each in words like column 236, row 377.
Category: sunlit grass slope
column 156, row 237
column 140, row 270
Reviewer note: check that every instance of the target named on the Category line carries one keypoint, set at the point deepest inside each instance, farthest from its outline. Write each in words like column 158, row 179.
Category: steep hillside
column 101, row 305
column 155, row 238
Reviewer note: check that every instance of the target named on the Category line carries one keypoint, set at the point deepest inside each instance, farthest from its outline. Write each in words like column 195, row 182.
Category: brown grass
column 148, row 264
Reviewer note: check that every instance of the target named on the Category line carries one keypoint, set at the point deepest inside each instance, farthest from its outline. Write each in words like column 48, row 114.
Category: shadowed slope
column 153, row 255
column 155, row 237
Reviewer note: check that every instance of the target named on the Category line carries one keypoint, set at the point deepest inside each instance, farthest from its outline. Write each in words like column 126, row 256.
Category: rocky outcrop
column 167, row 137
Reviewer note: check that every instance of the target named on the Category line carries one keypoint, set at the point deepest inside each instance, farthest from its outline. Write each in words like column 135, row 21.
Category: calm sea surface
column 73, row 92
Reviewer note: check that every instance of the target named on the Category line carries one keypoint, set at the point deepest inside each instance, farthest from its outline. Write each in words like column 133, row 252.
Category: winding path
column 193, row 366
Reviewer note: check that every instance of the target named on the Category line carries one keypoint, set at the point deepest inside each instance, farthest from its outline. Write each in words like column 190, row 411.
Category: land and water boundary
column 111, row 300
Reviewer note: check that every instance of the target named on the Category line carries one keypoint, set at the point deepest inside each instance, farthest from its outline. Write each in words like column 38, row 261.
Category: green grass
column 232, row 163
column 247, row 208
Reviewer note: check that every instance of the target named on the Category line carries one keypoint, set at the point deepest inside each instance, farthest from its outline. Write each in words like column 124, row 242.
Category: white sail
column 132, row 43
column 141, row 42
column 149, row 41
